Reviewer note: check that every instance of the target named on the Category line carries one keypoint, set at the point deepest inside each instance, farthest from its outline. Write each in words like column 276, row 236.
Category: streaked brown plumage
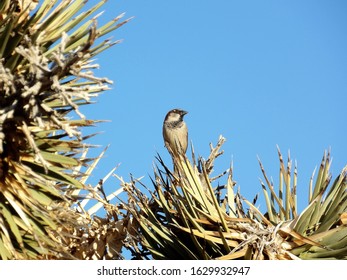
column 175, row 132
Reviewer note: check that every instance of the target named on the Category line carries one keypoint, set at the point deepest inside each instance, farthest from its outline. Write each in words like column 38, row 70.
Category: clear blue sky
column 260, row 73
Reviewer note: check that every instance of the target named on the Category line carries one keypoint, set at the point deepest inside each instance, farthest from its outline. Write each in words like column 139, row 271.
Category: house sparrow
column 175, row 132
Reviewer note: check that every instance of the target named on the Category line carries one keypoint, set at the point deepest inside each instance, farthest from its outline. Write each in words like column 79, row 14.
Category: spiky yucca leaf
column 103, row 237
column 45, row 73
column 319, row 231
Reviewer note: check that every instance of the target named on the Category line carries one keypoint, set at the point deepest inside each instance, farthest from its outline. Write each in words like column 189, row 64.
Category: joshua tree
column 46, row 74
column 187, row 217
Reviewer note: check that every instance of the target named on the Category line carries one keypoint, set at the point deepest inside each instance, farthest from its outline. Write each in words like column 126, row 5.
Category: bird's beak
column 184, row 113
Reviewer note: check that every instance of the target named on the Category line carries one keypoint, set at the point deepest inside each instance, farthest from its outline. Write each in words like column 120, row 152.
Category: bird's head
column 175, row 115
